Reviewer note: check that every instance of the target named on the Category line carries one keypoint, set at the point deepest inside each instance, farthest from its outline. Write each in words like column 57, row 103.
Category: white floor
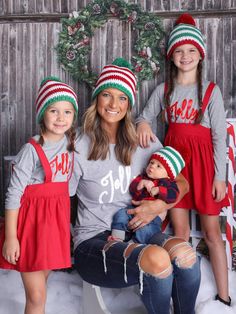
column 65, row 294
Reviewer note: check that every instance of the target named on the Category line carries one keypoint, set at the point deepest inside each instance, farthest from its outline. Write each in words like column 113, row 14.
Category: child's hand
column 218, row 190
column 11, row 250
column 147, row 184
column 154, row 191
column 145, row 134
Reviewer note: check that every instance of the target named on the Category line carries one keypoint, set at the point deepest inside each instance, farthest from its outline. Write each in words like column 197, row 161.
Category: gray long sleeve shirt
column 27, row 169
column 184, row 103
column 102, row 187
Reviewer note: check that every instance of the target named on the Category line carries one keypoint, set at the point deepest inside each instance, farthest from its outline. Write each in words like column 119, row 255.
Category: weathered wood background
column 29, row 33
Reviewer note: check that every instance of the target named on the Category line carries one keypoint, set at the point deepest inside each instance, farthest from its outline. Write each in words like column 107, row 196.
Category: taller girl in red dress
column 195, row 114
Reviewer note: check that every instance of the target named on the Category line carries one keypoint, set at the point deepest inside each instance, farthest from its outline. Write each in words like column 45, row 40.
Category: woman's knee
column 155, row 261
column 181, row 252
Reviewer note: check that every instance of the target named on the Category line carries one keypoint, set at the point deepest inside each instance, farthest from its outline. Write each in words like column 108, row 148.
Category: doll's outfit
column 168, row 193
column 173, row 163
column 168, row 189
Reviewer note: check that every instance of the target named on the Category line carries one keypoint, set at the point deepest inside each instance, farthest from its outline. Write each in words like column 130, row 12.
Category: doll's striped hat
column 185, row 32
column 52, row 89
column 171, row 159
column 117, row 75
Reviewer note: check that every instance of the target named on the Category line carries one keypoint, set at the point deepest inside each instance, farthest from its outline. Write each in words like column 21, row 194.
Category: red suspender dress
column 195, row 141
column 43, row 228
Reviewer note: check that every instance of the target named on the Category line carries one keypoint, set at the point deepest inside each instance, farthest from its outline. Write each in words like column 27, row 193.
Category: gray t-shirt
column 102, row 187
column 27, row 169
column 184, row 104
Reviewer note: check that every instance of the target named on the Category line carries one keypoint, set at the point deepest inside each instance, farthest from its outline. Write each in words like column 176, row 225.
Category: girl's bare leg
column 35, row 284
column 180, row 222
column 213, row 238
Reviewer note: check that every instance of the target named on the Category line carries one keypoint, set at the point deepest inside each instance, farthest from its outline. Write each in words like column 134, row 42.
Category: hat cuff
column 53, row 100
column 165, row 164
column 184, row 42
column 114, row 85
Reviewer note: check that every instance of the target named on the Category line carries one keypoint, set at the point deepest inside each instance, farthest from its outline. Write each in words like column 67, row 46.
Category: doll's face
column 155, row 170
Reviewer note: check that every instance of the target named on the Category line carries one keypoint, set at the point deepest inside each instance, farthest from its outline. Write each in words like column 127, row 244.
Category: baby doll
column 157, row 181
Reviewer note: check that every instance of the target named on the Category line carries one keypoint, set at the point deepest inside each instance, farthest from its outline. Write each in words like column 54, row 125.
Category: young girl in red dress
column 194, row 111
column 36, row 235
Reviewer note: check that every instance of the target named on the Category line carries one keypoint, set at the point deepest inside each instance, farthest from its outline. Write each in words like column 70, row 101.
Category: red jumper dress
column 43, row 228
column 195, row 141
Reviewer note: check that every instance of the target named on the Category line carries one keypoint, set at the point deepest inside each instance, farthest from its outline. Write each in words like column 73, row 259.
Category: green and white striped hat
column 185, row 32
column 117, row 75
column 171, row 159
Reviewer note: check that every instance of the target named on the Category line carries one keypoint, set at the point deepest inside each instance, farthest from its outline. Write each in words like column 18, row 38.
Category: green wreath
column 74, row 40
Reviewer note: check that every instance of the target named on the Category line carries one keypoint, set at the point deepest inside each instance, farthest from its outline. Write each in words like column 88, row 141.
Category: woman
column 109, row 159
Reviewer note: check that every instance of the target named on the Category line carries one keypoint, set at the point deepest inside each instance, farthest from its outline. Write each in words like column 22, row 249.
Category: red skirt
column 43, row 229
column 194, row 142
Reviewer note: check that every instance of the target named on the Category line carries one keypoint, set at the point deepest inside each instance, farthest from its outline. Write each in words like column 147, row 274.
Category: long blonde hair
column 126, row 138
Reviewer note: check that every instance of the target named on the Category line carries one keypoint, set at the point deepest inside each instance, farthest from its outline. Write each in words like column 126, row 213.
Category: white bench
column 93, row 302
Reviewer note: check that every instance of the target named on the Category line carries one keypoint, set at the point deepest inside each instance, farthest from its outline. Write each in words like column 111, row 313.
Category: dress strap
column 207, row 95
column 43, row 159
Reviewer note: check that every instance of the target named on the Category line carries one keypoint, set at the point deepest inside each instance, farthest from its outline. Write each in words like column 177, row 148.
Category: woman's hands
column 145, row 211
column 183, row 187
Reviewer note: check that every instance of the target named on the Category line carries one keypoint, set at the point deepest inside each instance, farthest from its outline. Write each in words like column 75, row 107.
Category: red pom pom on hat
column 185, row 18
column 185, row 32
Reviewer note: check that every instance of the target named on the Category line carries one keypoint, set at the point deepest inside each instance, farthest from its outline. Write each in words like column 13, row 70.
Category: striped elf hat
column 171, row 159
column 52, row 89
column 117, row 75
column 185, row 32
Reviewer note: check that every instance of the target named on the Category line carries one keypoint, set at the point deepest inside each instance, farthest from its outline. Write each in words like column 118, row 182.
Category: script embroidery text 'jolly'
column 112, row 184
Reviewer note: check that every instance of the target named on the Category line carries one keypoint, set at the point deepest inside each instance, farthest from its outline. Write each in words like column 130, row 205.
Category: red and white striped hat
column 185, row 32
column 52, row 89
column 117, row 75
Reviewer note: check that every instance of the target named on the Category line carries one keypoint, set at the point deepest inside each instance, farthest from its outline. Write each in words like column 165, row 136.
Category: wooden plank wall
column 29, row 33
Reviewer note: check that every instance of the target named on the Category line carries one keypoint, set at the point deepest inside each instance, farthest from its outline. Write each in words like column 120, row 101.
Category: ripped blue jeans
column 109, row 268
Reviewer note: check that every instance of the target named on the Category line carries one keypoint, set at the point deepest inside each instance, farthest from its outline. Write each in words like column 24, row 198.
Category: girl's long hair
column 172, row 71
column 126, row 139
